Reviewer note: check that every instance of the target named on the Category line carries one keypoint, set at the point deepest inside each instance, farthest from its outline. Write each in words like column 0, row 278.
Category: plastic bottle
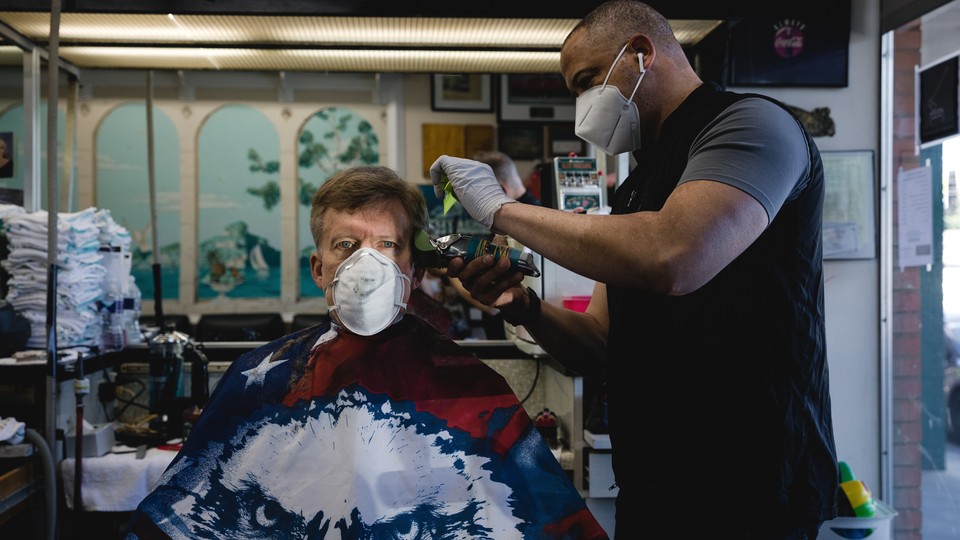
column 131, row 311
column 112, row 335
column 857, row 493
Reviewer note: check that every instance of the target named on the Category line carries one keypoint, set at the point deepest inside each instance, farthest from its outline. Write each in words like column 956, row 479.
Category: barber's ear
column 642, row 45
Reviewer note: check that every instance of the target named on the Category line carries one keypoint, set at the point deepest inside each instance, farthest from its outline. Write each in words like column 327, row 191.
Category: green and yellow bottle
column 857, row 493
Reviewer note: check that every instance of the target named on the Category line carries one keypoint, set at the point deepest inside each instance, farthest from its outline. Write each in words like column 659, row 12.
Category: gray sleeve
column 755, row 146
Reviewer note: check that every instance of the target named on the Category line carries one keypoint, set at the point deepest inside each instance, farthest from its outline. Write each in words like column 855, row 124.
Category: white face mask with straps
column 368, row 292
column 606, row 119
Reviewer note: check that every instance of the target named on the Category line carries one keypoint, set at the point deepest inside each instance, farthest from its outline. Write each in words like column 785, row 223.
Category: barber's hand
column 474, row 185
column 490, row 281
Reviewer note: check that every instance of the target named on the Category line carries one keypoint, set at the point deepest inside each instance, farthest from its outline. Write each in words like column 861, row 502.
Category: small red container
column 576, row 303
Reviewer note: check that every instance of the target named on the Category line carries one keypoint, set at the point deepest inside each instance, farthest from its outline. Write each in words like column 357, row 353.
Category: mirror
column 11, row 116
column 23, row 124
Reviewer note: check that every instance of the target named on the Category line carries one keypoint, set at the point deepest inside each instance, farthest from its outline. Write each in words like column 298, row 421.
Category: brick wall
column 906, row 303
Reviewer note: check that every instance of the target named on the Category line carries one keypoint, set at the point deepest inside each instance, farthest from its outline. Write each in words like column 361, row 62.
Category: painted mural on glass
column 12, row 123
column 238, row 255
column 332, row 140
column 123, row 186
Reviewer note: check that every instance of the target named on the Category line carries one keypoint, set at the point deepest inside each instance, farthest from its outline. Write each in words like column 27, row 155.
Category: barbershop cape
column 324, row 434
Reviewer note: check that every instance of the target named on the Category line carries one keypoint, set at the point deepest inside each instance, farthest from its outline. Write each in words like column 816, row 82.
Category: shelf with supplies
column 37, row 369
column 598, row 479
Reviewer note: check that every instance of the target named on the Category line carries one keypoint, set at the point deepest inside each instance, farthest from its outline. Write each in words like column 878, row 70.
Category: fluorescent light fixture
column 354, row 60
column 291, row 43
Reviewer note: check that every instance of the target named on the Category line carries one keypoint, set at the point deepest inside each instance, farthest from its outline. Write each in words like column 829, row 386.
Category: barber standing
column 707, row 318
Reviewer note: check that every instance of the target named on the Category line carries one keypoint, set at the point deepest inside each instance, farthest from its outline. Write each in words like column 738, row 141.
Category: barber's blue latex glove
column 474, row 185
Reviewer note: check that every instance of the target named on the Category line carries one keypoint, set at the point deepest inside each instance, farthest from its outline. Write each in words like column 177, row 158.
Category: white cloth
column 115, row 482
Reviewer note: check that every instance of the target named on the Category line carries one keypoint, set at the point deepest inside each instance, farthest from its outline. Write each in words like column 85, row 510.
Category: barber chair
column 240, row 327
column 306, row 320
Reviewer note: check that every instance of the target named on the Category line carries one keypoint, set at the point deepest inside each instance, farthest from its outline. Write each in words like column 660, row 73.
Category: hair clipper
column 470, row 247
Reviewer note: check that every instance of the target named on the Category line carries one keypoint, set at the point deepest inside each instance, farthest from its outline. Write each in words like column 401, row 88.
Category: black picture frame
column 521, row 141
column 535, row 97
column 562, row 140
column 461, row 92
column 791, row 49
column 938, row 101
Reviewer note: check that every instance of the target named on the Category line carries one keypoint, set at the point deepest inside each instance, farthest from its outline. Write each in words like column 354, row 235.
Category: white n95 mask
column 608, row 120
column 368, row 292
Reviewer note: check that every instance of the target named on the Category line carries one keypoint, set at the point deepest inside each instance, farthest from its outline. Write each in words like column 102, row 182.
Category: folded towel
column 115, row 482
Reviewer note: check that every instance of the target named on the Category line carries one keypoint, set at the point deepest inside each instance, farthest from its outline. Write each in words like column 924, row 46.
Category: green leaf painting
column 332, row 140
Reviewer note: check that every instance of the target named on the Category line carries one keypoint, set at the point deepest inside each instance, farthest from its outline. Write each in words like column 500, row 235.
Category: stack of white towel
column 111, row 232
column 9, row 210
column 80, row 274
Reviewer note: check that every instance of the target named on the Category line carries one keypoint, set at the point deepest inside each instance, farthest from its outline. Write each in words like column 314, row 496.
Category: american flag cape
column 324, row 434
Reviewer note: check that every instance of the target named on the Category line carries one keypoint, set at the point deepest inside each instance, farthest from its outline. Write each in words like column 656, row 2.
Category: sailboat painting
column 230, row 269
column 238, row 222
column 259, row 263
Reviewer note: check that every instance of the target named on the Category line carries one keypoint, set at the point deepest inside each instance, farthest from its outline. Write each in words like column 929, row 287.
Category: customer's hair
column 610, row 24
column 363, row 188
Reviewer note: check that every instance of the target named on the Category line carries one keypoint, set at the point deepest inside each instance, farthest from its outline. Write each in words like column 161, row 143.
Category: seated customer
column 374, row 425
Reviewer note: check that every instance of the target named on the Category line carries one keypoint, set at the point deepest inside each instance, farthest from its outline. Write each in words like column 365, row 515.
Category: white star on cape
column 258, row 374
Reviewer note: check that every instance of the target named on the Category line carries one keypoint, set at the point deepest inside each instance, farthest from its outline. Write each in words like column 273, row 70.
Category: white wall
column 416, row 97
column 852, row 287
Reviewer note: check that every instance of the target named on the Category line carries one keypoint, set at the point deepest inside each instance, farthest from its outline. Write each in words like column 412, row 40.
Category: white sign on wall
column 915, row 217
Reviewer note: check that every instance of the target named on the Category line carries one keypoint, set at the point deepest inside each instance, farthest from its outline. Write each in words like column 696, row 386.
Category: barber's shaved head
column 612, row 23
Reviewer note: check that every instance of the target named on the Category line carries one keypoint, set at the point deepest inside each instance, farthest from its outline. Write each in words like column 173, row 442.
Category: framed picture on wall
column 938, row 102
column 791, row 49
column 521, row 141
column 537, row 97
column 849, row 229
column 562, row 140
column 466, row 92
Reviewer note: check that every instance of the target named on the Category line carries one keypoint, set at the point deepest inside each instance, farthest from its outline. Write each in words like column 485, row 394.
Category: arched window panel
column 331, row 140
column 123, row 187
column 238, row 222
